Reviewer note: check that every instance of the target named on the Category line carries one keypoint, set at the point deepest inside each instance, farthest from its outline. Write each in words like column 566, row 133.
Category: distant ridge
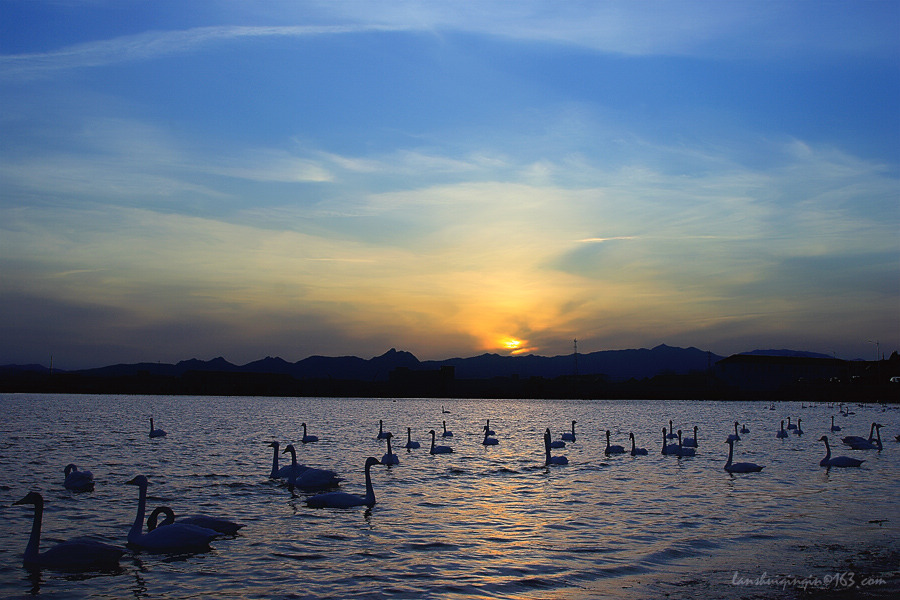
column 791, row 353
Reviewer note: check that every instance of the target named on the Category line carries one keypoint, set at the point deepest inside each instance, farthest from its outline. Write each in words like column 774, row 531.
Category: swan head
column 31, row 498
column 274, row 445
column 288, row 448
column 140, row 481
column 824, row 438
column 371, row 461
column 69, row 468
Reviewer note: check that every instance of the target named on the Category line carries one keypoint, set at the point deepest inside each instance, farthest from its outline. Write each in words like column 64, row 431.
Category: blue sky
column 250, row 179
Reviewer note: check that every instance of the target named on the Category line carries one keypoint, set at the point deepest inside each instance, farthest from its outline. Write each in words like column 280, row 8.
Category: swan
column 223, row 526
column 833, row 426
column 668, row 448
column 78, row 481
column 438, row 449
column 741, row 467
column 343, row 499
column 837, row 461
column 855, row 439
column 672, row 434
column 79, row 554
column 446, row 433
column 154, row 433
column 489, row 441
column 734, row 437
column 798, row 430
column 636, row 451
column 308, row 478
column 487, row 428
column 557, row 444
column 569, row 436
column 612, row 449
column 552, row 460
column 390, row 458
column 410, row 445
column 682, row 451
column 781, row 432
column 744, row 428
column 868, row 445
column 445, row 412
column 791, row 425
column 285, row 471
column 178, row 537
column 382, row 434
column 691, row 442
column 306, row 439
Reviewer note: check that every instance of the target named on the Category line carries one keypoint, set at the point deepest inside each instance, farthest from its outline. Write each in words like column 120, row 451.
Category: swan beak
column 132, row 481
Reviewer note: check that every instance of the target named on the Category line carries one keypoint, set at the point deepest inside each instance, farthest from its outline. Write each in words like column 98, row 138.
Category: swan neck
column 138, row 524
column 370, row 491
column 274, row 462
column 34, row 540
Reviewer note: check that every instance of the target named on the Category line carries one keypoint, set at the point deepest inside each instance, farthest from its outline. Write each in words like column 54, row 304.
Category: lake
column 482, row 522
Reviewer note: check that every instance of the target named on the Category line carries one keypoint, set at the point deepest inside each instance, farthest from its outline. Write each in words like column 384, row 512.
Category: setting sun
column 512, row 344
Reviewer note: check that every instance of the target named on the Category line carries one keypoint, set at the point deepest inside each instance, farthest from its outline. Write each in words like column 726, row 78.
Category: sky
column 294, row 178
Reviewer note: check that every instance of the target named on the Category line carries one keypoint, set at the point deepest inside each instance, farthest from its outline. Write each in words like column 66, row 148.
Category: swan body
column 177, row 537
column 489, row 441
column 856, row 439
column 734, row 437
column 636, row 451
column 569, row 436
column 668, row 448
column 741, row 467
column 791, row 425
column 744, row 428
column 410, row 445
column 781, row 432
column 837, row 461
column 672, row 435
column 438, row 449
column 797, row 429
column 446, row 433
column 390, row 458
column 285, row 471
column 80, row 554
column 223, row 526
column 691, row 442
column 155, row 433
column 549, row 459
column 487, row 428
column 78, row 481
column 308, row 478
column 682, row 451
column 382, row 434
column 833, row 426
column 614, row 449
column 343, row 499
column 868, row 444
column 306, row 439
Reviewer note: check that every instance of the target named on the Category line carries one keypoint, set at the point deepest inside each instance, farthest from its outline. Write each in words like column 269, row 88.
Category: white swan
column 744, row 428
column 390, row 458
column 410, row 445
column 833, row 426
column 382, row 434
column 791, row 425
column 78, row 481
column 343, row 499
column 487, row 428
column 177, row 537
column 308, row 478
column 552, row 460
column 446, row 433
column 636, row 451
column 734, row 437
column 781, row 432
column 797, row 429
column 285, row 471
column 223, row 526
column 837, row 461
column 307, row 439
column 691, row 442
column 671, row 435
column 612, row 449
column 79, row 554
column 155, row 433
column 682, row 451
column 855, row 439
column 438, row 449
column 569, row 437
column 668, row 449
column 867, row 444
column 489, row 441
column 741, row 467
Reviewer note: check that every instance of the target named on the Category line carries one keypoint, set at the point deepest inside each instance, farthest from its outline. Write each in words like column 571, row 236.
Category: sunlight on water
column 483, row 522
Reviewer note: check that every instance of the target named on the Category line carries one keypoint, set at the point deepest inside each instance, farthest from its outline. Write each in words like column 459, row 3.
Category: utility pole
column 576, row 356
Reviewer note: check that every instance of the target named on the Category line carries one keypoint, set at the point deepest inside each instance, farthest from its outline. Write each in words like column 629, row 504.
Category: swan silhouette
column 791, row 425
column 854, row 440
column 668, row 449
column 569, row 436
column 155, row 433
column 446, row 412
column 223, row 526
column 80, row 554
column 868, row 444
column 833, row 426
column 343, row 499
column 557, row 444
column 798, row 430
column 285, row 471
column 636, row 451
column 682, row 451
column 781, row 432
column 744, row 428
column 691, row 442
column 308, row 478
column 741, row 467
column 78, row 481
column 410, row 445
column 390, row 458
column 446, row 433
column 178, row 537
column 609, row 450
column 549, row 459
column 489, row 441
column 382, row 434
column 438, row 449
column 734, row 437
column 837, row 461
column 306, row 439
column 487, row 428
column 672, row 435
